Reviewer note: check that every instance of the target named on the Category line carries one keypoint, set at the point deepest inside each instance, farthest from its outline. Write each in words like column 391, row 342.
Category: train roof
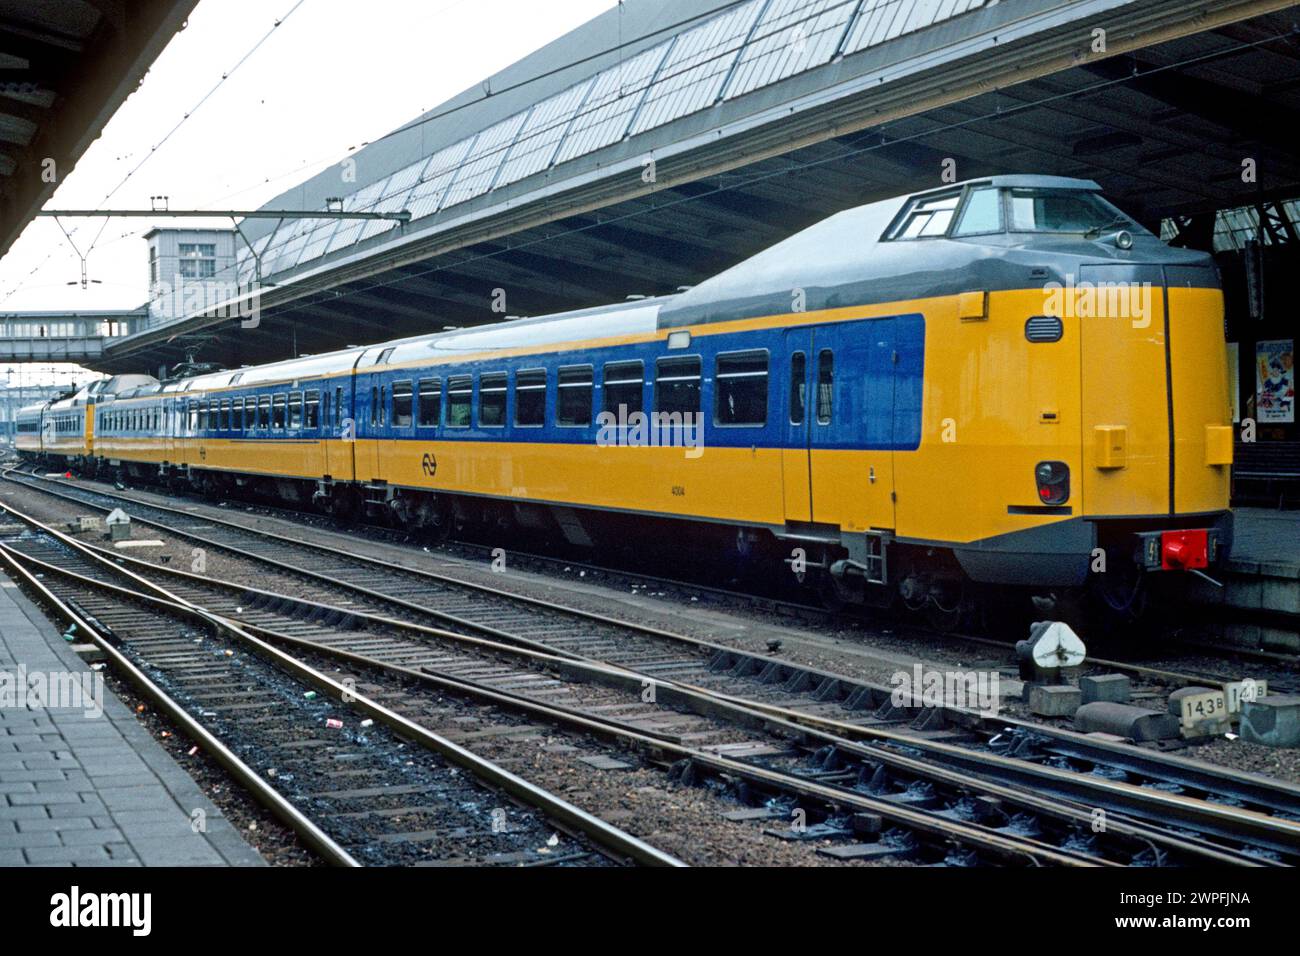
column 848, row 259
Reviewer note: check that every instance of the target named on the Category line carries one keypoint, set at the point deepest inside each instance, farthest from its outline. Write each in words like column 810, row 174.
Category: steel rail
column 698, row 700
column 1223, row 779
column 607, row 835
column 250, row 779
column 1159, row 803
column 1006, row 847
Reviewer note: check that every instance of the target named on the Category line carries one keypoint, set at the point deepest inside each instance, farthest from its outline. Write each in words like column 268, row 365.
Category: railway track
column 1127, row 783
column 340, row 770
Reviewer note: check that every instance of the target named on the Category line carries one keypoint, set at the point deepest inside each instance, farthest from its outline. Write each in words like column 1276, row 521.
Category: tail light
column 1053, row 480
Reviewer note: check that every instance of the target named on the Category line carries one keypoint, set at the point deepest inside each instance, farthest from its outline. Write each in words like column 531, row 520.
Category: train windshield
column 1063, row 210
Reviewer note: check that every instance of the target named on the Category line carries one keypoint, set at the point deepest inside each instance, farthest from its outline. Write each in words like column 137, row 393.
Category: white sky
column 334, row 75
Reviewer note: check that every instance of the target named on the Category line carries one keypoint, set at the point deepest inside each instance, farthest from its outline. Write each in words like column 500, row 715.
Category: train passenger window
column 573, row 400
column 325, row 407
column 430, row 399
column 677, row 385
column 203, row 416
column 825, row 385
column 383, row 404
column 311, row 408
column 798, row 387
column 374, row 404
column 530, row 397
column 194, row 415
column 338, row 404
column 240, row 411
column 492, row 400
column 214, row 413
column 624, row 388
column 295, row 409
column 401, row 404
column 225, row 413
column 740, row 394
column 264, row 412
column 460, row 390
column 278, row 406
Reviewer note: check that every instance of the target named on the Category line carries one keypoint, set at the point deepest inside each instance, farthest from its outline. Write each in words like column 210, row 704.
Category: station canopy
column 663, row 142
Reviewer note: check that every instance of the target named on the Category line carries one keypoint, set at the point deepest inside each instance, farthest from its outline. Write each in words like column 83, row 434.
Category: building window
column 198, row 260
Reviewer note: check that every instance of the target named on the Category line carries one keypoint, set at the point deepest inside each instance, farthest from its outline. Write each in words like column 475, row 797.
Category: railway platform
column 1263, row 578
column 84, row 783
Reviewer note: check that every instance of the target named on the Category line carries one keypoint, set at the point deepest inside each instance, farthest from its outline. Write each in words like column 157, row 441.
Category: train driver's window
column 825, row 385
column 264, row 412
column 576, row 387
column 492, row 400
column 430, row 400
column 460, row 391
column 278, row 405
column 740, row 394
column 295, row 409
column 311, row 408
column 798, row 387
column 401, row 404
column 677, row 385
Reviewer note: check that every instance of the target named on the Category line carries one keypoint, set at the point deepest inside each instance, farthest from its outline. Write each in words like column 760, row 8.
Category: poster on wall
column 1234, row 380
column 1275, row 381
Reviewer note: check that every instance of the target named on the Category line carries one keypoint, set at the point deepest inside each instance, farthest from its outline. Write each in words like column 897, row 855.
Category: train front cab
column 1103, row 453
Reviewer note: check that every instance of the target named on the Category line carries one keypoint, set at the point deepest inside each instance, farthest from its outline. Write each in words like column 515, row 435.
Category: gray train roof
column 842, row 261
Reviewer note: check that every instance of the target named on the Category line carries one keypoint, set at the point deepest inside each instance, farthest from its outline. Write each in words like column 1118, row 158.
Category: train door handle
column 871, row 474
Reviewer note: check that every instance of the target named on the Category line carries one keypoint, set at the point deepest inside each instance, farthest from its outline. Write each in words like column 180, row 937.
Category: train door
column 336, row 424
column 795, row 473
column 1125, row 391
column 850, row 414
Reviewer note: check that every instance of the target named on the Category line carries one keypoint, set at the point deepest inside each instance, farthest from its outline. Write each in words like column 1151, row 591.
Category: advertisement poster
column 1275, row 381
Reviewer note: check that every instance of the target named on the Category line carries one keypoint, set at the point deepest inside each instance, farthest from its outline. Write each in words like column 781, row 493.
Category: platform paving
column 86, row 789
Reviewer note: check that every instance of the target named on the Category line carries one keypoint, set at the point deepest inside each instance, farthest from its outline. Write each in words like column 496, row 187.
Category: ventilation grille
column 1043, row 328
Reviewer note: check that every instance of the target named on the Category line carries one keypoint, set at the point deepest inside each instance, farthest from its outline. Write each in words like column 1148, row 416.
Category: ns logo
column 429, row 464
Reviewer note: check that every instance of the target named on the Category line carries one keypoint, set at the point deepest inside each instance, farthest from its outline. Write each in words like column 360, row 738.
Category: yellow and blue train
column 1005, row 381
